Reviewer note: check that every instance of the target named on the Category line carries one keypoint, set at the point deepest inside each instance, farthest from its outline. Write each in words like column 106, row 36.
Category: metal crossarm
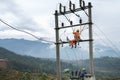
column 71, row 11
column 65, row 42
column 75, row 25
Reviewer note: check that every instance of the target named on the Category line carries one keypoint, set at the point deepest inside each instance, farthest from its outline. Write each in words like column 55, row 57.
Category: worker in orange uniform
column 73, row 42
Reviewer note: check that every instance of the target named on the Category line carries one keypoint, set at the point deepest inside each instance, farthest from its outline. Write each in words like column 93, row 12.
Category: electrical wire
column 116, row 52
column 108, row 39
column 77, row 15
column 69, row 21
column 77, row 57
column 110, row 42
column 86, row 13
column 67, row 54
column 24, row 31
column 67, row 18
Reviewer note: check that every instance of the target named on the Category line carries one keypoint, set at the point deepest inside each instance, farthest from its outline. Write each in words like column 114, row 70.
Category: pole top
column 89, row 4
column 56, row 12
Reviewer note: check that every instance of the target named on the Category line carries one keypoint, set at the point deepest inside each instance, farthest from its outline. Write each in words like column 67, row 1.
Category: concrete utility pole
column 72, row 10
column 57, row 47
column 90, row 37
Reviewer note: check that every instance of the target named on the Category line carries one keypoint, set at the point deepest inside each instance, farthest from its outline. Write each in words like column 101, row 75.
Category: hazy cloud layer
column 37, row 16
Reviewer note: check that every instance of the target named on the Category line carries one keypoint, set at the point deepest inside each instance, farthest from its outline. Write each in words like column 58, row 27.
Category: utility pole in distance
column 62, row 12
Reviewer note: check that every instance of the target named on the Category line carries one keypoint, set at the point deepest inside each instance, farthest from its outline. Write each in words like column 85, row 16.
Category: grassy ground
column 108, row 79
column 16, row 75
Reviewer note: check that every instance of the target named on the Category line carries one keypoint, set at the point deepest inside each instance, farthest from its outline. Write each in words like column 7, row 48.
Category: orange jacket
column 76, row 35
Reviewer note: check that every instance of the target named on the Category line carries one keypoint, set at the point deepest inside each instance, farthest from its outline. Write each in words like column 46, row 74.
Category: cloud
column 32, row 17
column 12, row 14
column 37, row 16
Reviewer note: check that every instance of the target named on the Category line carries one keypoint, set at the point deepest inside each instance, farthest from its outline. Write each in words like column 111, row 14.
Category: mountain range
column 41, row 49
column 30, row 48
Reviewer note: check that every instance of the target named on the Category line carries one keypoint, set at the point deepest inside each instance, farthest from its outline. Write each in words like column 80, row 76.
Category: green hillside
column 107, row 67
column 30, row 64
column 104, row 66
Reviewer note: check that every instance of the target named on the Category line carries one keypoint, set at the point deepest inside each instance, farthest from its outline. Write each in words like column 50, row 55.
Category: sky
column 37, row 17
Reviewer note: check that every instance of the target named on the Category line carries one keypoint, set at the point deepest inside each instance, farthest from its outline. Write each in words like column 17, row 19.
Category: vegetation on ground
column 30, row 68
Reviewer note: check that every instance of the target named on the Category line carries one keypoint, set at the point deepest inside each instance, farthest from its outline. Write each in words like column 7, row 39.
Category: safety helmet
column 83, row 69
column 66, row 70
column 77, row 30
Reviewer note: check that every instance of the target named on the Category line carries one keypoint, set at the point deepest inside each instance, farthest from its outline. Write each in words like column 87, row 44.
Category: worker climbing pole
column 72, row 10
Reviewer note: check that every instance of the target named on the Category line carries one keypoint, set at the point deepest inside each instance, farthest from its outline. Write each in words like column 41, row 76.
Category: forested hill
column 107, row 66
column 104, row 67
column 30, row 64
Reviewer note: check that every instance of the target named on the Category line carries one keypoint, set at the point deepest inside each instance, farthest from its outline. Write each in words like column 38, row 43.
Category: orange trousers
column 73, row 42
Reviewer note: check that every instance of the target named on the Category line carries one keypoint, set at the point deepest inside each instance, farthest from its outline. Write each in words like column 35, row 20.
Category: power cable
column 77, row 15
column 108, row 39
column 81, row 55
column 67, row 18
column 67, row 54
column 24, row 31
column 76, row 56
column 107, row 43
column 69, row 21
column 86, row 13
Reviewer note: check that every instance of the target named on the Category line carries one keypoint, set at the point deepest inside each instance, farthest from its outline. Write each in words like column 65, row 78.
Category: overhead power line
column 24, row 32
column 117, row 51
